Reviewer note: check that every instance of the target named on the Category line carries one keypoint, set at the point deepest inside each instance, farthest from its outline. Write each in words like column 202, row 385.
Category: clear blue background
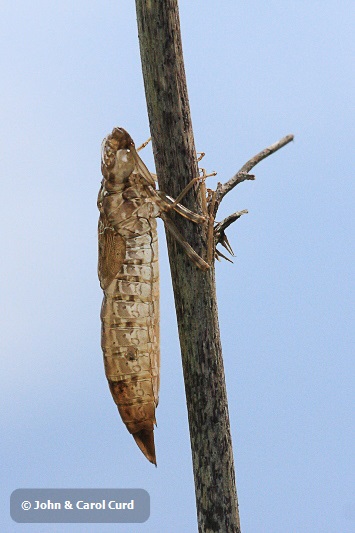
column 256, row 71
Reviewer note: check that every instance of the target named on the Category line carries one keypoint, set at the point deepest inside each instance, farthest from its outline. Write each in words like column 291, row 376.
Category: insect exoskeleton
column 129, row 277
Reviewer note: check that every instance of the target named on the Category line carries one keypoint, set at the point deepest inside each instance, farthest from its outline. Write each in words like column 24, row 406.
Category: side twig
column 214, row 200
column 222, row 226
column 219, row 233
column 243, row 173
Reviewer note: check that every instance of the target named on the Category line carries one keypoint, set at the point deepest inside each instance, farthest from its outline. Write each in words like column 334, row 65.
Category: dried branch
column 221, row 238
column 194, row 290
column 243, row 173
column 221, row 226
column 222, row 189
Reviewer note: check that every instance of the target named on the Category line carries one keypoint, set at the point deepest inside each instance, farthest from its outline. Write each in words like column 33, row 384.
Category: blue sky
column 256, row 71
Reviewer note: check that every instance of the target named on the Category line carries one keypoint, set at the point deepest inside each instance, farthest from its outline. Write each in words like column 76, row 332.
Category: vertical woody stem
column 194, row 290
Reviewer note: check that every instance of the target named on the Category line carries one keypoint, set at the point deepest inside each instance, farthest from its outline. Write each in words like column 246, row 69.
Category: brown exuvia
column 129, row 276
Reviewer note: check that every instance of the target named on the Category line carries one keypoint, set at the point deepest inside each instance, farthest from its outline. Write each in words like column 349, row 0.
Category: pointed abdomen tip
column 145, row 441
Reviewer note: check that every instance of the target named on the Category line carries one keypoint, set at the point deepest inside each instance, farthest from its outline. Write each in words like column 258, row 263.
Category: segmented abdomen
column 130, row 331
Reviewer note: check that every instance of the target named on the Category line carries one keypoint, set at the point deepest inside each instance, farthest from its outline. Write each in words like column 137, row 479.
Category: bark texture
column 194, row 290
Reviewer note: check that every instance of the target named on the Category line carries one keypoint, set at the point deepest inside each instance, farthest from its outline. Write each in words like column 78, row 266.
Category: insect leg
column 143, row 145
column 210, row 227
column 166, row 203
column 195, row 258
column 198, row 179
